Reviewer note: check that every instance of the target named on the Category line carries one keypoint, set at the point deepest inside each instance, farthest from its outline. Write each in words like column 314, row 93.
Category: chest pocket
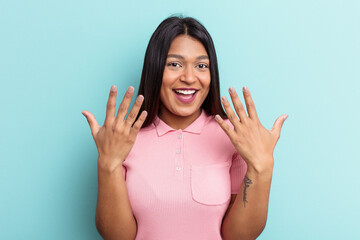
column 211, row 185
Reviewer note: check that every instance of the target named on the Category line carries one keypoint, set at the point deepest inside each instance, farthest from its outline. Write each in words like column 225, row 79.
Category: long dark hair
column 155, row 59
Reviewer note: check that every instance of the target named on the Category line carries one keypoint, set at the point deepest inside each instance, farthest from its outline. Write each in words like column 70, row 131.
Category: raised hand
column 251, row 139
column 116, row 137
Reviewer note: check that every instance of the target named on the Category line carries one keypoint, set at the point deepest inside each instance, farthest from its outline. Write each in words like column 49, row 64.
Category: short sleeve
column 237, row 172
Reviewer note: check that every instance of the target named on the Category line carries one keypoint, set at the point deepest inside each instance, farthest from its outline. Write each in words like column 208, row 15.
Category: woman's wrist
column 109, row 164
column 261, row 170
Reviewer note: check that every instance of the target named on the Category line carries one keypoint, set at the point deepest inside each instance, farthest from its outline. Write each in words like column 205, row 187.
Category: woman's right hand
column 116, row 137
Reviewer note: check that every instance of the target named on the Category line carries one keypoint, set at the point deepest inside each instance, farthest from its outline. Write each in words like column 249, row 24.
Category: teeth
column 185, row 91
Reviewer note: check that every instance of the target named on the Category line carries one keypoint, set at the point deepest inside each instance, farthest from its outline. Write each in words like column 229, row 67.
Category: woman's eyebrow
column 175, row 56
column 202, row 57
column 181, row 57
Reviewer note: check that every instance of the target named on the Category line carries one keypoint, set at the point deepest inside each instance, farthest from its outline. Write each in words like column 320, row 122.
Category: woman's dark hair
column 155, row 59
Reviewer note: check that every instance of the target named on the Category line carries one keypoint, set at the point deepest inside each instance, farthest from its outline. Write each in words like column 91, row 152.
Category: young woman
column 179, row 166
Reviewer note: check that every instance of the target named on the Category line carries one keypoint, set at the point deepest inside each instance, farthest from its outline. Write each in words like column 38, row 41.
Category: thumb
column 94, row 126
column 278, row 125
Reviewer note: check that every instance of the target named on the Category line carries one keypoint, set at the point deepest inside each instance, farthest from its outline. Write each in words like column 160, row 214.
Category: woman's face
column 186, row 79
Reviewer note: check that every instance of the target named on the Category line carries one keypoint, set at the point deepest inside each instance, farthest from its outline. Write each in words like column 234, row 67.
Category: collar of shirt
column 195, row 127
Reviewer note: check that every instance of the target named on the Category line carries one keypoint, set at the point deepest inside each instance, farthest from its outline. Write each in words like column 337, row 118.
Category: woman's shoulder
column 148, row 128
column 215, row 138
column 213, row 132
column 212, row 125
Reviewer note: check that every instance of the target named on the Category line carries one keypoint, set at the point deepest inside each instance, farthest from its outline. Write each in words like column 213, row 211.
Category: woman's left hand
column 251, row 139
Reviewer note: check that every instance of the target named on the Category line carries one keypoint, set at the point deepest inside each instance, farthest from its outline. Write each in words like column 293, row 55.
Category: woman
column 176, row 167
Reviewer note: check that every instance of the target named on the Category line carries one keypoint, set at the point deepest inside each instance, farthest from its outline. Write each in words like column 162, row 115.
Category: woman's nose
column 188, row 76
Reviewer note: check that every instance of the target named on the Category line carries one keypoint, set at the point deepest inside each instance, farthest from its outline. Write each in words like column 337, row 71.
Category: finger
column 94, row 126
column 124, row 105
column 227, row 129
column 230, row 113
column 110, row 107
column 239, row 108
column 135, row 129
column 250, row 105
column 135, row 110
column 276, row 129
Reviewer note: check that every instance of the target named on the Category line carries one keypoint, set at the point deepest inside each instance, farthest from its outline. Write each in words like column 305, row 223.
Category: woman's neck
column 176, row 121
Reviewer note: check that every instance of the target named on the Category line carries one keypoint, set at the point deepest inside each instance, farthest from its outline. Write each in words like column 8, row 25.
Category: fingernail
column 286, row 116
column 144, row 113
column 113, row 88
column 224, row 99
column 245, row 89
column 217, row 117
column 140, row 98
column 83, row 114
column 130, row 89
column 231, row 90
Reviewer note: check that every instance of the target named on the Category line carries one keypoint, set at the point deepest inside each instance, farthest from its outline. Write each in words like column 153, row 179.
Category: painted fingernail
column 231, row 90
column 217, row 117
column 245, row 89
column 224, row 99
column 130, row 89
column 140, row 98
column 113, row 88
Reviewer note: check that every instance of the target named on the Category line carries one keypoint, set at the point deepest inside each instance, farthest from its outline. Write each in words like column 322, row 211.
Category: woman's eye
column 174, row 64
column 203, row 66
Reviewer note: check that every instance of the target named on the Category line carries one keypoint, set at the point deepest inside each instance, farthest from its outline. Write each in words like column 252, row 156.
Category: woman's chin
column 187, row 112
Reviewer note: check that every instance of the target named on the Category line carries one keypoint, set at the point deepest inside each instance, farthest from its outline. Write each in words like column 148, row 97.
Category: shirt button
column 178, row 168
column 178, row 151
column 179, row 136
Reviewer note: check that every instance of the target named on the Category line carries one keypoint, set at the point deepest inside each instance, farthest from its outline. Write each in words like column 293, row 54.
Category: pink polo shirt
column 180, row 181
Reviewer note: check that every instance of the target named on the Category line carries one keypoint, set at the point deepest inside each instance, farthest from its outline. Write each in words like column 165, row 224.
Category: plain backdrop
column 58, row 58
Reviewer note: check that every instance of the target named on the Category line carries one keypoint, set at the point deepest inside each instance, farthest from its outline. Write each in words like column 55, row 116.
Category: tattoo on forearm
column 247, row 182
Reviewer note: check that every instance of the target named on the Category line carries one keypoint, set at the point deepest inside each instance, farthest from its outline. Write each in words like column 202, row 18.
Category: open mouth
column 185, row 93
column 185, row 96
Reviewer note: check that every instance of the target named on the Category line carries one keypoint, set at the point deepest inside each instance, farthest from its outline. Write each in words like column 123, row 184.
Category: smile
column 185, row 96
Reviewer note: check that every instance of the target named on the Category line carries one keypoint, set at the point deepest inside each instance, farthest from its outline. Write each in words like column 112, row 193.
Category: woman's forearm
column 114, row 218
column 247, row 217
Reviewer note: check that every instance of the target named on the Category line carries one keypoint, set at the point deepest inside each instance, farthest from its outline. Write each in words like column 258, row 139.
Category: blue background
column 57, row 58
